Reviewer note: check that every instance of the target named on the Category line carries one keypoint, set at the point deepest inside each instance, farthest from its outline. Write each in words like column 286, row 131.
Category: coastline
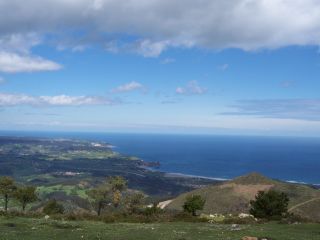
column 119, row 150
column 171, row 174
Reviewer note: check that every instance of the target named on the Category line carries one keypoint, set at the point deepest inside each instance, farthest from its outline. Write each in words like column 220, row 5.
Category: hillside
column 234, row 196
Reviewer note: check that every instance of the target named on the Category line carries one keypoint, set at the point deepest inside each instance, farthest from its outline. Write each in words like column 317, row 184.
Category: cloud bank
column 303, row 109
column 15, row 63
column 156, row 25
column 10, row 100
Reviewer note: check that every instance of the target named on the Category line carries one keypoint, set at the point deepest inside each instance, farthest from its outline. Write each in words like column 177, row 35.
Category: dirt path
column 162, row 205
column 303, row 203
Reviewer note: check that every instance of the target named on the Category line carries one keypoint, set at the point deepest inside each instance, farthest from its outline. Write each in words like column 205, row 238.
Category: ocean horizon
column 291, row 159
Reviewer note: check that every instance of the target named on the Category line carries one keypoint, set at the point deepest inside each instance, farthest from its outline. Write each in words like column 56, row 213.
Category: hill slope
column 234, row 196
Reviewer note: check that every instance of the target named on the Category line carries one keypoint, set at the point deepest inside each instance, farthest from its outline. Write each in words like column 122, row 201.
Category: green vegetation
column 33, row 229
column 25, row 195
column 53, row 207
column 134, row 202
column 193, row 203
column 270, row 205
column 7, row 190
column 110, row 192
column 82, row 154
column 67, row 189
column 63, row 163
column 117, row 185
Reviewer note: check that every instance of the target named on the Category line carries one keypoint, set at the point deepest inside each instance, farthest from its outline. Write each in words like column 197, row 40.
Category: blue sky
column 242, row 67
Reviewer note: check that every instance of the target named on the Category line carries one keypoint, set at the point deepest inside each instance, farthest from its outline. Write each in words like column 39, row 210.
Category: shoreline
column 168, row 174
column 173, row 174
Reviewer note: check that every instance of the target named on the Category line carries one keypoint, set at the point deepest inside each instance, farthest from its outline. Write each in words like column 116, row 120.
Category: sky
column 248, row 67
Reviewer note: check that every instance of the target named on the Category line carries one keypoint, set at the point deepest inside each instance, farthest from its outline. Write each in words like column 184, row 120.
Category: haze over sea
column 285, row 158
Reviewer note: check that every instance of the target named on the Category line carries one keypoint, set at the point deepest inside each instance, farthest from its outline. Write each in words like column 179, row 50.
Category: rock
column 235, row 227
column 244, row 215
column 46, row 217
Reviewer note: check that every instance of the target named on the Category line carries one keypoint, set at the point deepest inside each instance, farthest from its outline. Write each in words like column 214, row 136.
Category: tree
column 193, row 203
column 118, row 184
column 134, row 202
column 7, row 189
column 271, row 204
column 109, row 192
column 26, row 195
column 53, row 207
column 101, row 196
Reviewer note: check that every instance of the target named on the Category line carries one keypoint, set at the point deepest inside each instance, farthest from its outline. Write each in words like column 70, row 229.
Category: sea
column 293, row 159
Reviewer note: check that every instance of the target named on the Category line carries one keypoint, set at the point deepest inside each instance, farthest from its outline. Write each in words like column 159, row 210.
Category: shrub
column 269, row 205
column 193, row 203
column 53, row 207
column 154, row 210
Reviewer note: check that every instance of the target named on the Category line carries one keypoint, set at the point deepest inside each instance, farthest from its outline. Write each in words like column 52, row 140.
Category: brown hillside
column 234, row 196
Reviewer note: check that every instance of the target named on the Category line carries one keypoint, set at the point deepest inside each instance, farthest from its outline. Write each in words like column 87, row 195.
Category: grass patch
column 27, row 229
column 67, row 189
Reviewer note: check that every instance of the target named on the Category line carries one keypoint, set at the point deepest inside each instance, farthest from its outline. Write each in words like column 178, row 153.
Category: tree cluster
column 10, row 190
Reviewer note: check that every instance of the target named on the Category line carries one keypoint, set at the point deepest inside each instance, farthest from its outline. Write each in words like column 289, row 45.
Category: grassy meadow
column 33, row 229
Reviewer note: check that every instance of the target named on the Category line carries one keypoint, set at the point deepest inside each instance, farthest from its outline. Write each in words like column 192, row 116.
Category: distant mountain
column 234, row 196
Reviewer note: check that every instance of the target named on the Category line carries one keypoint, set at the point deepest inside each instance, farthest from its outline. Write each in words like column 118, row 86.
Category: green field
column 67, row 189
column 27, row 228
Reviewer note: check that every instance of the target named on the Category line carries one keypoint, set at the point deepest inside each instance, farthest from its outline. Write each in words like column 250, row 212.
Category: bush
column 271, row 205
column 53, row 207
column 193, row 203
column 154, row 210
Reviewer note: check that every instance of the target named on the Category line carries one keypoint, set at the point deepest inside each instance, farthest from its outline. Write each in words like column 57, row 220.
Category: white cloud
column 305, row 109
column 128, row 87
column 14, row 63
column 148, row 48
column 9, row 100
column 192, row 88
column 19, row 42
column 160, row 24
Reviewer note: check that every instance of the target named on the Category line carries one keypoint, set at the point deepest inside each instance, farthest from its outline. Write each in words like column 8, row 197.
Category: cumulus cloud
column 15, row 55
column 148, row 48
column 14, row 63
column 192, row 88
column 128, row 87
column 304, row 109
column 10, row 100
column 156, row 25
